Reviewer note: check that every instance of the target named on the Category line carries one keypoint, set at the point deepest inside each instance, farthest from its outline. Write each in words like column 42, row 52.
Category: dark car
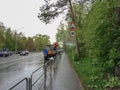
column 1, row 54
column 4, row 54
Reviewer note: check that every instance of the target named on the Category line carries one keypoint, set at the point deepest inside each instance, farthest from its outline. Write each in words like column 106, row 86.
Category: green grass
column 84, row 71
column 87, row 71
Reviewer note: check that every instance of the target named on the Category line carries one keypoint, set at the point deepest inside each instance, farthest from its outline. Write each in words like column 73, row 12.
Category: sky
column 21, row 15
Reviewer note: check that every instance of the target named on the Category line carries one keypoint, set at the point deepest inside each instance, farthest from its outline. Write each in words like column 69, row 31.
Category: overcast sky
column 23, row 13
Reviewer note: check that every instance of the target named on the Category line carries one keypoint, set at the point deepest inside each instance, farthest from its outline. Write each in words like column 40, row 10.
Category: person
column 49, row 51
column 55, row 45
column 45, row 52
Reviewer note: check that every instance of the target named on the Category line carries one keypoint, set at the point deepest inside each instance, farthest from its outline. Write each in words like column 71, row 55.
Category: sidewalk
column 65, row 77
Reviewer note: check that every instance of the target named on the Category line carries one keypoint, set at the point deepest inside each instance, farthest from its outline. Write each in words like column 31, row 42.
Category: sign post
column 73, row 27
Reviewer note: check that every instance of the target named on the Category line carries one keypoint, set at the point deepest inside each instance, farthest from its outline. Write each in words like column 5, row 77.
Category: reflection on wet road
column 15, row 68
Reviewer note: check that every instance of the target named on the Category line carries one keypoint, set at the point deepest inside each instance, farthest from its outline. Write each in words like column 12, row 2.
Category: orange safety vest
column 50, row 52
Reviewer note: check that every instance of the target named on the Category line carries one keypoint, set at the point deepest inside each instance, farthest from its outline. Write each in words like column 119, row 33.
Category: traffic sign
column 72, row 33
column 72, row 26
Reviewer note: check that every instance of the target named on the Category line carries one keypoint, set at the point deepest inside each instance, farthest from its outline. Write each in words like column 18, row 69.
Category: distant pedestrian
column 45, row 52
column 49, row 51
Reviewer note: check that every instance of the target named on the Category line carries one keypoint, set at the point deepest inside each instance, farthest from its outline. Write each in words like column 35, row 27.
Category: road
column 16, row 67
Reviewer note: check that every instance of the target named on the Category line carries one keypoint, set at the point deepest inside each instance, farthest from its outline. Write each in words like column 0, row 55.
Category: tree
column 9, row 40
column 30, row 44
column 51, row 10
column 61, row 35
column 41, row 41
column 1, row 38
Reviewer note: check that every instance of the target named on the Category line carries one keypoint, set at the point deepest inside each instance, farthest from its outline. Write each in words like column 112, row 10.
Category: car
column 1, row 54
column 23, row 53
column 4, row 54
column 27, row 52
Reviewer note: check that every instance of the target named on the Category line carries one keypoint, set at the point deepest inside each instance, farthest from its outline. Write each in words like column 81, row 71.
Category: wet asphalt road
column 16, row 67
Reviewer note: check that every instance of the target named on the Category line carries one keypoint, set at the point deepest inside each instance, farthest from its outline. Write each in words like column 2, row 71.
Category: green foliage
column 41, row 41
column 99, row 32
column 1, row 37
column 61, row 35
column 10, row 39
column 49, row 10
column 112, row 82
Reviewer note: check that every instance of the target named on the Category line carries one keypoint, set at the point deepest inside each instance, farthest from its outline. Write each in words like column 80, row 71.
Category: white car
column 23, row 53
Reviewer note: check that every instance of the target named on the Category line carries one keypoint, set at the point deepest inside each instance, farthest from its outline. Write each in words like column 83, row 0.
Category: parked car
column 23, row 53
column 1, row 54
column 4, row 54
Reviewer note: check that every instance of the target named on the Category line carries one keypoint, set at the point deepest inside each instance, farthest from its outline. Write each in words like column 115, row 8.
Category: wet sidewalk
column 65, row 77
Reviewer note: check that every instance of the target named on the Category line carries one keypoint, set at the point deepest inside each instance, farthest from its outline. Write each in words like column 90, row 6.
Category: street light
column 16, row 39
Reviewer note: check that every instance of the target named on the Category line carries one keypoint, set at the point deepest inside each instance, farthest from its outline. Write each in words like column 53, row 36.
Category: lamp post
column 16, row 39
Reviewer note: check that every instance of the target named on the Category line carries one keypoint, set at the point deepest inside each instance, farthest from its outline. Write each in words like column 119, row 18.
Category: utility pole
column 73, row 19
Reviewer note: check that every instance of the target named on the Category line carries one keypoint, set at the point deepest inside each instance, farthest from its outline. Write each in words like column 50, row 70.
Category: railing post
column 27, row 84
column 30, row 83
column 55, row 64
column 44, row 76
column 50, row 69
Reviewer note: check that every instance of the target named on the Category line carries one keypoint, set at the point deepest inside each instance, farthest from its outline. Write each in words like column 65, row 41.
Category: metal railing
column 41, row 73
column 31, row 82
column 48, row 72
column 45, row 72
column 25, row 79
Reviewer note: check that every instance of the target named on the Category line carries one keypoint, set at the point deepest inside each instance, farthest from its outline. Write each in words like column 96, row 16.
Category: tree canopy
column 52, row 9
column 9, row 39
